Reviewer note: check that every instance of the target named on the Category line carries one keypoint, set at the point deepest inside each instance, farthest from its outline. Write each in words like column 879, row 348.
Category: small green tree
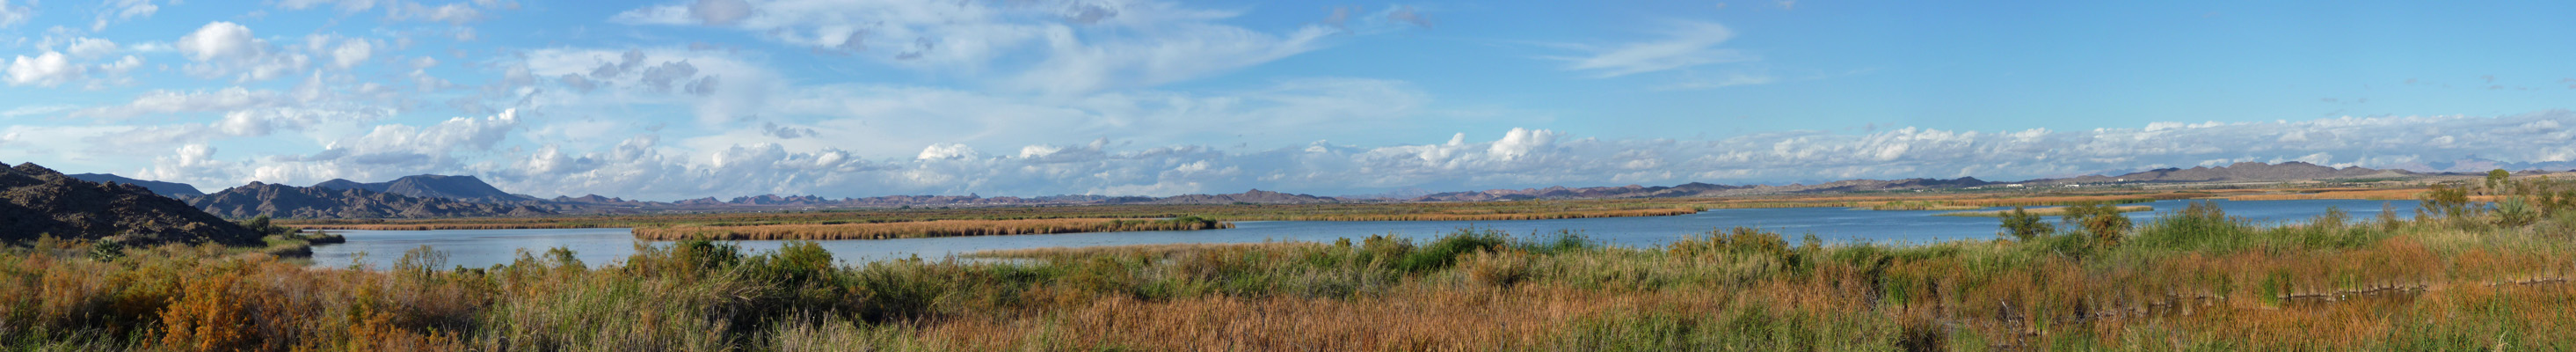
column 2497, row 180
column 2101, row 220
column 2024, row 226
column 2451, row 202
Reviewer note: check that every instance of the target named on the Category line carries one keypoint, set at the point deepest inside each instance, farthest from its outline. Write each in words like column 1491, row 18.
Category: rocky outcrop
column 37, row 201
column 165, row 189
column 283, row 201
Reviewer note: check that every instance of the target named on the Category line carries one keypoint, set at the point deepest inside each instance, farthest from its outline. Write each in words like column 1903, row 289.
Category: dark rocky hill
column 165, row 189
column 464, row 188
column 283, row 201
column 36, row 201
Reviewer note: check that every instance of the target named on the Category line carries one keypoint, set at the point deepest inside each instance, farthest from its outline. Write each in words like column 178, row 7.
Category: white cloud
column 351, row 52
column 1528, row 157
column 452, row 13
column 345, row 6
column 1081, row 46
column 220, row 41
column 12, row 14
column 225, row 48
column 191, row 162
column 1076, row 66
column 122, row 10
column 33, row 110
column 946, row 151
column 91, row 48
column 1684, row 44
column 642, row 166
column 47, row 70
column 163, row 101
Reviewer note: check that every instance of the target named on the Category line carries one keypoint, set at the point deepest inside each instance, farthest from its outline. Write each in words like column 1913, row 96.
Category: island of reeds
column 2458, row 275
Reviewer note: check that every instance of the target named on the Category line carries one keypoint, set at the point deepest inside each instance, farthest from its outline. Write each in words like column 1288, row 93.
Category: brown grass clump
column 939, row 228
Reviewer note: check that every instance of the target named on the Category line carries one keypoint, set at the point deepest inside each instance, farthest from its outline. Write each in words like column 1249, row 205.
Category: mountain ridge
column 463, row 188
column 164, row 188
column 35, row 200
column 283, row 201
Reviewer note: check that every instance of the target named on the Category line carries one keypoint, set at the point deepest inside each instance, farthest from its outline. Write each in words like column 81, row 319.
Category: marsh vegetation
column 2460, row 275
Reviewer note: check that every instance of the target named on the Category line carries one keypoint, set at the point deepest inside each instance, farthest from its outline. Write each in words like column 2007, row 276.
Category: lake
column 482, row 248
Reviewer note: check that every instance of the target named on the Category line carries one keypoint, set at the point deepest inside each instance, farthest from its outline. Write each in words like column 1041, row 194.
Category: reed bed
column 2196, row 279
column 935, row 228
column 2367, row 194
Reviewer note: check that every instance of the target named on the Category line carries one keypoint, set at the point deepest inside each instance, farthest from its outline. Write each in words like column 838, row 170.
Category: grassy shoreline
column 2194, row 280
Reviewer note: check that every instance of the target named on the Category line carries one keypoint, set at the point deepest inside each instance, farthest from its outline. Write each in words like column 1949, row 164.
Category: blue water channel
column 481, row 248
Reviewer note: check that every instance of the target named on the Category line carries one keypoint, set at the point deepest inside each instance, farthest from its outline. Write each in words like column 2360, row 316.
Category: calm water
column 479, row 248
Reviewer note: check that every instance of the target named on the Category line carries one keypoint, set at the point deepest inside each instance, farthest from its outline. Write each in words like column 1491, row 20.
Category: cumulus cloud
column 1684, row 44
column 225, row 48
column 47, row 70
column 947, row 151
column 643, row 166
column 395, row 150
column 351, row 52
column 13, row 14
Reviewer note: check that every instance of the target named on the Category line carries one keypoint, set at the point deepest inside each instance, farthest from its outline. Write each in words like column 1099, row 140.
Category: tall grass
column 2197, row 279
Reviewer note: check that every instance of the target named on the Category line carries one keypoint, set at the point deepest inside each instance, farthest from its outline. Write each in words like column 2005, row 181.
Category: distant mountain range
column 464, row 188
column 37, row 201
column 2246, row 171
column 423, row 196
column 165, row 189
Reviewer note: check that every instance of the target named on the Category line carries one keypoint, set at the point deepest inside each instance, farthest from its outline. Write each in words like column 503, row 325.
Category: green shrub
column 2024, row 226
column 896, row 290
column 1440, row 254
column 106, row 250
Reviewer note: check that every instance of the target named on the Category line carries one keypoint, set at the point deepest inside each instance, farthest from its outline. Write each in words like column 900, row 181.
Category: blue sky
column 684, row 99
